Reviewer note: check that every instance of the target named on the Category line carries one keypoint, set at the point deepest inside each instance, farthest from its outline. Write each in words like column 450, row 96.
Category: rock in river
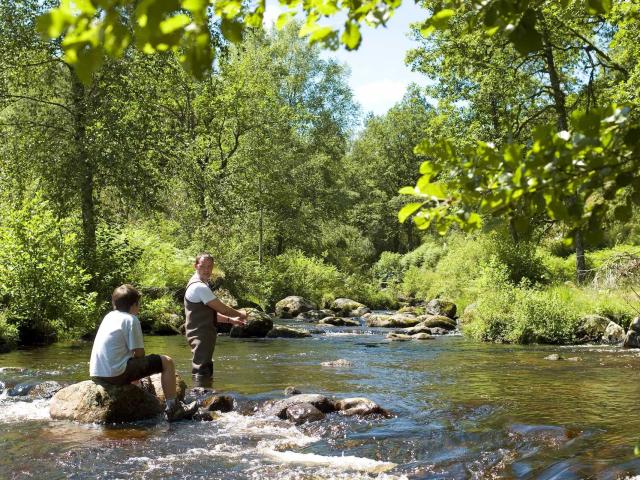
column 278, row 408
column 613, row 334
column 292, row 306
column 339, row 322
column 303, row 412
column 441, row 307
column 280, row 331
column 348, row 308
column 314, row 315
column 90, row 402
column 153, row 385
column 437, row 321
column 259, row 324
column 359, row 406
column 591, row 328
column 392, row 321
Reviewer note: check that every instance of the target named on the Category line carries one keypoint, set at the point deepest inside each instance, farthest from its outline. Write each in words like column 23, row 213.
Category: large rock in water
column 392, row 321
column 280, row 331
column 314, row 315
column 303, row 412
column 339, row 322
column 632, row 339
column 348, row 308
column 292, row 306
column 258, row 325
column 359, row 406
column 441, row 307
column 279, row 408
column 90, row 402
column 436, row 321
column 591, row 328
column 613, row 334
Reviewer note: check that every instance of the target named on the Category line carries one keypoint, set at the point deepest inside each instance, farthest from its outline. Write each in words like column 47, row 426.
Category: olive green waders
column 201, row 334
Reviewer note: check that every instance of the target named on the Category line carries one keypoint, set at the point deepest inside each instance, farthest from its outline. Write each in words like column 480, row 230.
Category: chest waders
column 201, row 332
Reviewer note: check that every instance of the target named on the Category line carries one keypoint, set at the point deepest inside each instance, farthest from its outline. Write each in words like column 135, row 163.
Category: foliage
column 41, row 284
column 388, row 268
column 153, row 313
column 8, row 334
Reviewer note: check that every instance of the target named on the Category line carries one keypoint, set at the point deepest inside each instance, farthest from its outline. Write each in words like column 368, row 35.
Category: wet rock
column 12, row 370
column 413, row 310
column 292, row 306
column 314, row 315
column 399, row 337
column 21, row 390
column 437, row 321
column 574, row 359
column 280, row 331
column 153, row 385
column 278, row 408
column 554, row 357
column 291, row 390
column 204, row 416
column 217, row 403
column 303, row 412
column 591, row 328
column 422, row 336
column 45, row 389
column 613, row 334
column 360, row 312
column 259, row 324
column 441, row 307
column 415, row 330
column 635, row 325
column 2, row 386
column 359, row 406
column 439, row 331
column 391, row 321
column 346, row 307
column 631, row 340
column 90, row 402
column 339, row 322
column 340, row 363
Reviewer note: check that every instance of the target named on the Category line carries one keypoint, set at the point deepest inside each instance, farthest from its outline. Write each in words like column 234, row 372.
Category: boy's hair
column 124, row 297
column 203, row 256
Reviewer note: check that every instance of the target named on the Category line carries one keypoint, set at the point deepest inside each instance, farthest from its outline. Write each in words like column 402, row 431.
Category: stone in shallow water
column 217, row 403
column 399, row 337
column 90, row 402
column 280, row 331
column 291, row 390
column 304, row 412
column 441, row 307
column 359, row 406
column 554, row 357
column 339, row 322
column 337, row 363
column 279, row 408
column 422, row 336
column 153, row 385
column 45, row 389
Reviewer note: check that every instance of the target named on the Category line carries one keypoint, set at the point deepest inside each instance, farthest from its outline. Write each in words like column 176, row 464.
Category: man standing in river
column 203, row 311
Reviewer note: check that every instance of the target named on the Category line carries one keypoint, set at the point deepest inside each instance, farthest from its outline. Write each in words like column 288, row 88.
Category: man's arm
column 226, row 310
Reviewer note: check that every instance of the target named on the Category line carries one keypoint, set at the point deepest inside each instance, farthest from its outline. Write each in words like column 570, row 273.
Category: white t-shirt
column 119, row 334
column 199, row 292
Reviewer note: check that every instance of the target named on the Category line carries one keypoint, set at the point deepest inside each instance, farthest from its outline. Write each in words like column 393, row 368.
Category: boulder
column 21, row 389
column 45, row 389
column 437, row 321
column 359, row 406
column 314, row 315
column 422, row 336
column 340, row 363
column 153, row 385
column 413, row 310
column 591, row 328
column 292, row 306
column 217, row 403
column 441, row 307
column 399, row 337
column 360, row 312
column 168, row 324
column 613, row 334
column 346, row 307
column 415, row 330
column 339, row 322
column 635, row 325
column 291, row 390
column 280, row 331
column 279, row 408
column 631, row 340
column 303, row 412
column 90, row 402
column 439, row 331
column 259, row 324
column 391, row 321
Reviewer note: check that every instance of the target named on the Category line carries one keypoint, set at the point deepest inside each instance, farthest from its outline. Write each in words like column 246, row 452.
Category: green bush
column 388, row 269
column 41, row 284
column 8, row 334
column 154, row 313
column 426, row 255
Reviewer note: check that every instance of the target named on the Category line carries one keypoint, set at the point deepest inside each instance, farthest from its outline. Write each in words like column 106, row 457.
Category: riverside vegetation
column 123, row 174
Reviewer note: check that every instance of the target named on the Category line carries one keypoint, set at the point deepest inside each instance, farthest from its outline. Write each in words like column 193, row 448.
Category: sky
column 379, row 76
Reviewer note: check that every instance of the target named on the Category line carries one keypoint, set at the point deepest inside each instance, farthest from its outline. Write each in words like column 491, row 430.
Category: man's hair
column 203, row 256
column 124, row 297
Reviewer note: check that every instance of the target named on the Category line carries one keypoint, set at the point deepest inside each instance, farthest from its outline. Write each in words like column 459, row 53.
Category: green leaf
column 195, row 5
column 232, row 30
column 407, row 191
column 598, row 7
column 351, row 36
column 441, row 19
column 408, row 210
column 174, row 23
column 524, row 36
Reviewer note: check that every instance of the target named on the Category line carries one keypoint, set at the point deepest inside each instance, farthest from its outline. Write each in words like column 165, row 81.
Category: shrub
column 153, row 314
column 388, row 269
column 426, row 255
column 42, row 285
column 8, row 334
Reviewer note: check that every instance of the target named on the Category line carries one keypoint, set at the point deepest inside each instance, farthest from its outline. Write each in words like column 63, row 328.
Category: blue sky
column 379, row 76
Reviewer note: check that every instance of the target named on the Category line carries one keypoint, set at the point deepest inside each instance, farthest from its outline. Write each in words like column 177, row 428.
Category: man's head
column 204, row 266
column 126, row 298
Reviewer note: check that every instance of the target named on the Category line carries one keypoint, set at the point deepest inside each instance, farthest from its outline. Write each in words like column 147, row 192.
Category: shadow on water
column 461, row 410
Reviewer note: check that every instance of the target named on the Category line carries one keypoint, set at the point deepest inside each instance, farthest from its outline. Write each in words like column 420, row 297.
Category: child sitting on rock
column 118, row 355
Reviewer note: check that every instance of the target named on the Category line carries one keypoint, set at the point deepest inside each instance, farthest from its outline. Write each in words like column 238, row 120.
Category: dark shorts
column 136, row 369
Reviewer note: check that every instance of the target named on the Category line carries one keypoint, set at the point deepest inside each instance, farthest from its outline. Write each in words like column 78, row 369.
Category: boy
column 118, row 355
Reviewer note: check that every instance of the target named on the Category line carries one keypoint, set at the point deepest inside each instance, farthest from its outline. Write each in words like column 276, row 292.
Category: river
column 462, row 409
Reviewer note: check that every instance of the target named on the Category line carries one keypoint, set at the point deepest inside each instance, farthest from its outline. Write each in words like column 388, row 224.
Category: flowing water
column 461, row 409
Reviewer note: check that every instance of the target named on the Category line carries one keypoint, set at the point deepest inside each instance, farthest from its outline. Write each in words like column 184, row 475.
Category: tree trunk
column 86, row 170
column 559, row 100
